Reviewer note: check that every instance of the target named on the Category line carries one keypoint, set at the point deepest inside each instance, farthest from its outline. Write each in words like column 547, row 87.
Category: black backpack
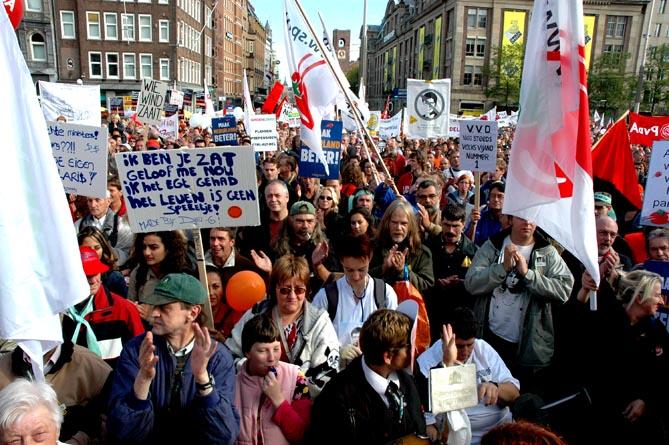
column 332, row 294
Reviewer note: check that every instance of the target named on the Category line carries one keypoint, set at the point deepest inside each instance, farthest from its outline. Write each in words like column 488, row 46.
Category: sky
column 337, row 14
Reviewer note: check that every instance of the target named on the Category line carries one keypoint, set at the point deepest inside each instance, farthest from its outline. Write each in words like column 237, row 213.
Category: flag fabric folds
column 612, row 162
column 248, row 105
column 273, row 98
column 550, row 173
column 40, row 268
column 645, row 130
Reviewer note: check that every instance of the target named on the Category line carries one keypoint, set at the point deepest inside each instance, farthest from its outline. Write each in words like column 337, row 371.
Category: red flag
column 279, row 109
column 385, row 114
column 612, row 162
column 646, row 129
column 272, row 98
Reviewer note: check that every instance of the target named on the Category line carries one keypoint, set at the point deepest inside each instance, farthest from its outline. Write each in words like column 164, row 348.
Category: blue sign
column 399, row 93
column 310, row 164
column 661, row 268
column 224, row 130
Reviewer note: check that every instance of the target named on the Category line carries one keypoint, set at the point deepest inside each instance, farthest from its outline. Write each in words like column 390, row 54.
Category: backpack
column 332, row 294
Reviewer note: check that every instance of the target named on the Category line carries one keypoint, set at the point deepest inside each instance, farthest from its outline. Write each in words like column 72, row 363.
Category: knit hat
column 177, row 287
column 302, row 208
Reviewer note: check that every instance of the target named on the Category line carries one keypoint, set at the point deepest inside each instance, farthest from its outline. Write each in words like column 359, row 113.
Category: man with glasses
column 428, row 195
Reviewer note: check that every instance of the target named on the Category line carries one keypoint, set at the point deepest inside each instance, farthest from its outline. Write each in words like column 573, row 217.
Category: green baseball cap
column 177, row 287
column 302, row 208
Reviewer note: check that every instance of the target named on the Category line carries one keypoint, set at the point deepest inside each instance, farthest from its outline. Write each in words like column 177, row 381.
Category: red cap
column 153, row 143
column 91, row 262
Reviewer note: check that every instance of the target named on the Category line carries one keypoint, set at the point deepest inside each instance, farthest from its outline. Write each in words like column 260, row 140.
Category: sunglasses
column 287, row 290
column 329, row 198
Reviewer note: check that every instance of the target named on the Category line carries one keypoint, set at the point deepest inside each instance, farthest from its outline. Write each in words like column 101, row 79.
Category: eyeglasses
column 287, row 290
column 329, row 198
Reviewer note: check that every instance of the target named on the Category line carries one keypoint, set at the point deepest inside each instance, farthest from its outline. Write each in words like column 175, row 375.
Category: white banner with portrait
column 428, row 107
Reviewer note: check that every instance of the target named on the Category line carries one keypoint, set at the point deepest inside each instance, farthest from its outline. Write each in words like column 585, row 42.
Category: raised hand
column 147, row 367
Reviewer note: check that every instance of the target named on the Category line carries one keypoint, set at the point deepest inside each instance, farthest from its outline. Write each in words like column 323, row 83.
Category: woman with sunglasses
column 327, row 211
column 308, row 338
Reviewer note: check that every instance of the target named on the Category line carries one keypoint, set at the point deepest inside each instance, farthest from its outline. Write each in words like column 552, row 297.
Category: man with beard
column 486, row 223
column 452, row 254
column 428, row 194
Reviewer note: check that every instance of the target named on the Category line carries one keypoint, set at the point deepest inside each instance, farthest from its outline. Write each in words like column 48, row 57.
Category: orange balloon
column 244, row 289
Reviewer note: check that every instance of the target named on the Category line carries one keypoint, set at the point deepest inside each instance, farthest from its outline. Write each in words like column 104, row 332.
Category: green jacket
column 548, row 281
column 420, row 268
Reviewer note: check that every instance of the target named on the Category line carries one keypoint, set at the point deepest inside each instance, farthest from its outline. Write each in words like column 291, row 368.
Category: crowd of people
column 331, row 355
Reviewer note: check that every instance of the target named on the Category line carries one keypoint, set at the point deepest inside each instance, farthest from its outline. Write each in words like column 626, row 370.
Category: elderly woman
column 308, row 338
column 29, row 413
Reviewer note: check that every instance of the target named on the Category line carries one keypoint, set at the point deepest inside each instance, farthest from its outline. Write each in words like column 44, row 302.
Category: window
column 477, row 18
column 483, row 18
column 111, row 26
column 145, row 32
column 112, row 65
column 470, row 45
column 67, row 25
column 663, row 5
column 93, row 25
column 164, row 31
column 145, row 66
column 467, row 78
column 658, row 30
column 164, row 69
column 207, row 47
column 128, row 27
column 33, row 5
column 615, row 51
column 129, row 66
column 163, row 2
column 615, row 26
column 38, row 47
column 478, row 75
column 480, row 47
column 471, row 18
column 94, row 65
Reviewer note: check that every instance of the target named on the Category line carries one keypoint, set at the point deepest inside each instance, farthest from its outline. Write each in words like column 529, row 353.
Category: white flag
column 550, row 172
column 248, row 105
column 208, row 104
column 314, row 86
column 40, row 267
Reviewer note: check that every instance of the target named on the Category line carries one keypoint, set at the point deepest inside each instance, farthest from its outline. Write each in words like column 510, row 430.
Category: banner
column 389, row 128
column 224, row 130
column 169, row 127
column 646, row 129
column 589, row 23
column 421, row 41
column 437, row 47
column 513, row 28
column 189, row 188
column 478, row 145
column 262, row 130
column 80, row 104
column 428, row 104
column 151, row 101
column 310, row 165
column 177, row 98
column 655, row 210
column 80, row 153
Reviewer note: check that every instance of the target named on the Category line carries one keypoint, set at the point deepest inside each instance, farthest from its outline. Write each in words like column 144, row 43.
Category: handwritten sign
column 169, row 127
column 262, row 129
column 655, row 210
column 478, row 145
column 224, row 130
column 389, row 128
column 80, row 152
column 189, row 188
column 151, row 101
column 80, row 104
column 177, row 98
column 453, row 387
column 310, row 164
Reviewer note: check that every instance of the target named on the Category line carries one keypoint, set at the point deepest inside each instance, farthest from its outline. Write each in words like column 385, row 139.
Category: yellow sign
column 421, row 42
column 514, row 28
column 589, row 24
column 437, row 46
column 385, row 70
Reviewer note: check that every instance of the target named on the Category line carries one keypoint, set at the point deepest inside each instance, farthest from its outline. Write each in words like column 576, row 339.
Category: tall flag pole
column 550, row 172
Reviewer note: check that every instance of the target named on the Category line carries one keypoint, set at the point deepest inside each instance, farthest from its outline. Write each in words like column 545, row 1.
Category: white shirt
column 230, row 262
column 378, row 382
column 352, row 311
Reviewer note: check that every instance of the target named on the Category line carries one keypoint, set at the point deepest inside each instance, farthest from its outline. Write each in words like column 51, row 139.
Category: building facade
column 231, row 27
column 36, row 39
column 433, row 39
column 256, row 59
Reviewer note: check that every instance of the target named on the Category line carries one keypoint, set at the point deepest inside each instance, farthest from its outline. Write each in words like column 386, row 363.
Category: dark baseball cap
column 177, row 287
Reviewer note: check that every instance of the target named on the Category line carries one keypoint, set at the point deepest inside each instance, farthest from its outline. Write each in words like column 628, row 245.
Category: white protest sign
column 151, row 101
column 428, row 104
column 177, row 98
column 655, row 211
column 80, row 152
column 389, row 128
column 169, row 127
column 478, row 145
column 80, row 104
column 189, row 188
column 262, row 129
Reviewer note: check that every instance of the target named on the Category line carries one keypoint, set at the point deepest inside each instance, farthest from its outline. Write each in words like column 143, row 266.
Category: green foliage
column 655, row 91
column 353, row 77
column 610, row 89
column 504, row 73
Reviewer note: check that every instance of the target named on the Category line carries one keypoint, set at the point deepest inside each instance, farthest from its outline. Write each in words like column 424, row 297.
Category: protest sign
column 80, row 104
column 115, row 105
column 169, row 127
column 373, row 122
column 151, row 101
column 428, row 104
column 662, row 269
column 294, row 120
column 189, row 188
column 311, row 166
column 655, row 211
column 262, row 129
column 80, row 152
column 177, row 98
column 389, row 128
column 224, row 130
column 478, row 145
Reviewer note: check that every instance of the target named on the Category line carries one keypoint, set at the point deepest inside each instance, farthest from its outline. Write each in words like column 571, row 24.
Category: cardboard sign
column 478, row 145
column 452, row 388
column 80, row 104
column 224, row 130
column 262, row 129
column 80, row 152
column 655, row 211
column 151, row 101
column 189, row 188
column 310, row 165
column 177, row 98
column 169, row 127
